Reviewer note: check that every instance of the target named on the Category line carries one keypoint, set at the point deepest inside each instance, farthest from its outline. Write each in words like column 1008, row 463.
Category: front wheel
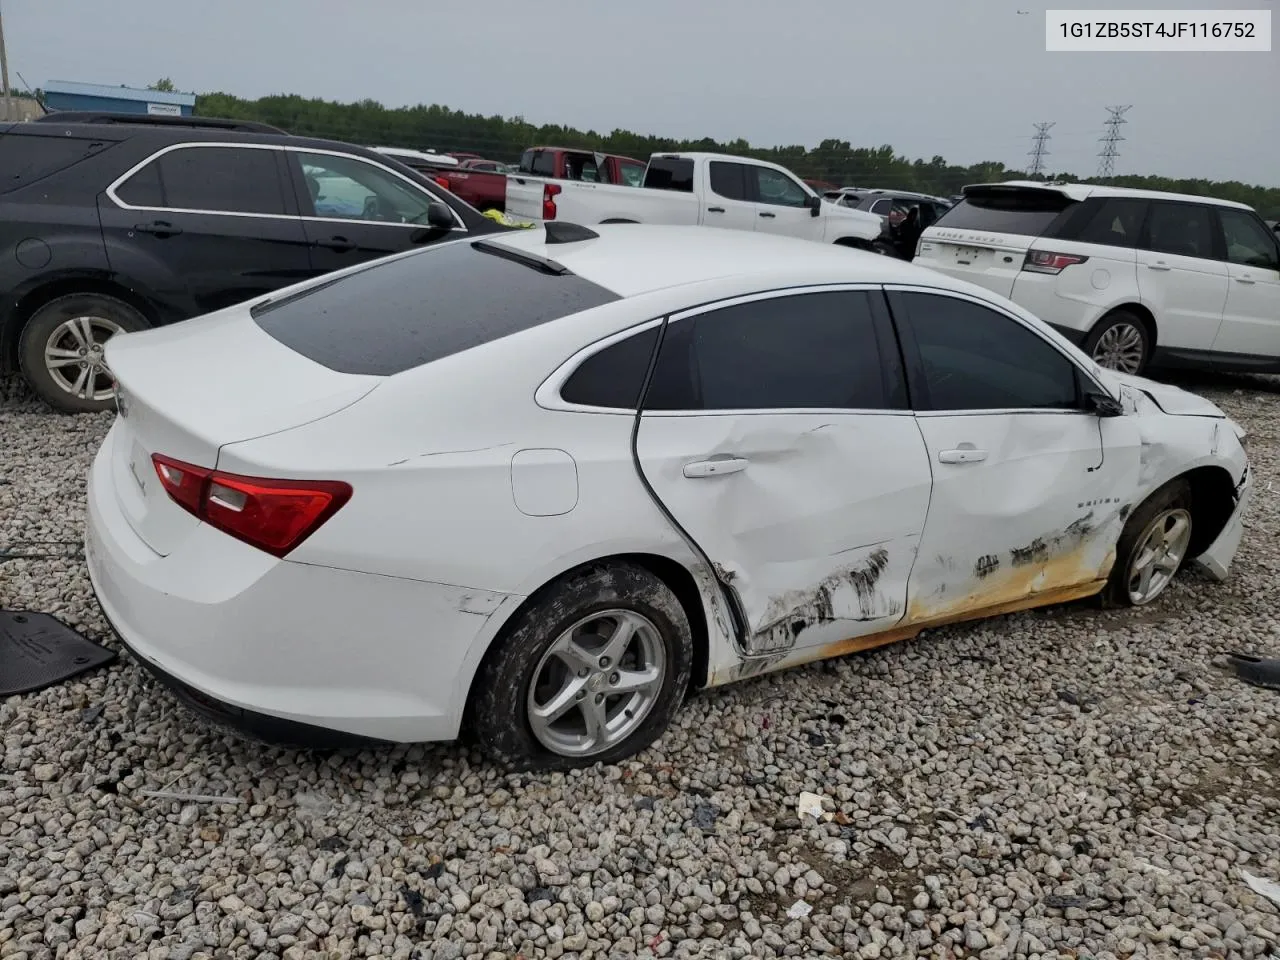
column 593, row 671
column 1152, row 547
column 60, row 351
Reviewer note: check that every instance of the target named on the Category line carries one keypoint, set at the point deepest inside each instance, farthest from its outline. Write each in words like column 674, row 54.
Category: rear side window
column 398, row 314
column 1114, row 221
column 614, row 376
column 220, row 179
column 728, row 180
column 812, row 350
column 25, row 159
column 670, row 173
column 543, row 163
column 1027, row 213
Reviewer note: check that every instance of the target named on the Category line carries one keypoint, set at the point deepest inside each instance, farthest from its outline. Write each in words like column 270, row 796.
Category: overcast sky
column 962, row 78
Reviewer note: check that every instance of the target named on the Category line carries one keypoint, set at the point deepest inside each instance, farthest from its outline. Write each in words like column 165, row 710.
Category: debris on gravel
column 1062, row 782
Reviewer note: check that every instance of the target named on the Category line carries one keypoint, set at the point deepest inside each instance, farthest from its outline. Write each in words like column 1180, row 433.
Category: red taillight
column 549, row 193
column 272, row 515
column 1046, row 261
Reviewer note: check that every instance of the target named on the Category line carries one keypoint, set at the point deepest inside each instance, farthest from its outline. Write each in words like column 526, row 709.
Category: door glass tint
column 632, row 173
column 345, row 188
column 815, row 350
column 1181, row 229
column 1115, row 221
column 222, row 179
column 669, row 173
column 728, row 180
column 614, row 376
column 544, row 163
column 1249, row 242
column 977, row 359
column 776, row 188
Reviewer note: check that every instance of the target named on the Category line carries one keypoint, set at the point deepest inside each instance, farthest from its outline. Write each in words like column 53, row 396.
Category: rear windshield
column 669, row 173
column 399, row 314
column 1025, row 212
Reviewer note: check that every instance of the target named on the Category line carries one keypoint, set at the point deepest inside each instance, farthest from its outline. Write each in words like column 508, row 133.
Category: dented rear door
column 1030, row 490
column 776, row 434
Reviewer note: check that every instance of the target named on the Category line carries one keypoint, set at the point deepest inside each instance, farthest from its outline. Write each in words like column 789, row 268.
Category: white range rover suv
column 1134, row 277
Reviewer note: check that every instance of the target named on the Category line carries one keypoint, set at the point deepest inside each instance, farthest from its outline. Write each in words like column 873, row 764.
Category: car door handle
column 769, row 215
column 1159, row 265
column 336, row 244
column 160, row 228
column 1245, row 280
column 715, row 209
column 962, row 455
column 714, row 467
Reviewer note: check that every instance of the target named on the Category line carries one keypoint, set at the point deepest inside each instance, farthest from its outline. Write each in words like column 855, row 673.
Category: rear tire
column 556, row 652
column 1121, row 341
column 60, row 350
column 1152, row 547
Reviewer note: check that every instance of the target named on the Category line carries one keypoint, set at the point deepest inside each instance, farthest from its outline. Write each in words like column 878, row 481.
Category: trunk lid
column 187, row 389
column 985, row 237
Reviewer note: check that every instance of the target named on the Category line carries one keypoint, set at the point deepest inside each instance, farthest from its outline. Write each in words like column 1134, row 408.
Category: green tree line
column 505, row 138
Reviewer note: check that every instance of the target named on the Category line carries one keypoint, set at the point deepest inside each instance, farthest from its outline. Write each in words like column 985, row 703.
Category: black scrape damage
column 791, row 613
column 1041, row 549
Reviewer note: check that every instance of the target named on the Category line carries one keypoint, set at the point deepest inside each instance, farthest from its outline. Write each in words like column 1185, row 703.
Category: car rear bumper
column 1216, row 561
column 286, row 650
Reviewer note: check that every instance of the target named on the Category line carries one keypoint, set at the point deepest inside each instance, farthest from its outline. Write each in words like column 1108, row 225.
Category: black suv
column 109, row 225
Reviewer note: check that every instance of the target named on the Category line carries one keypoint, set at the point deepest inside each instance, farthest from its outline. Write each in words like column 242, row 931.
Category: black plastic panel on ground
column 403, row 313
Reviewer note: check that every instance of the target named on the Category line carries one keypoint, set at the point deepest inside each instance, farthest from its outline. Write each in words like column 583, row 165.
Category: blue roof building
column 65, row 95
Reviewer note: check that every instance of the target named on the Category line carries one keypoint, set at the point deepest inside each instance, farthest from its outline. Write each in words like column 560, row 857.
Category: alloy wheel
column 1120, row 348
column 1159, row 553
column 596, row 683
column 73, row 355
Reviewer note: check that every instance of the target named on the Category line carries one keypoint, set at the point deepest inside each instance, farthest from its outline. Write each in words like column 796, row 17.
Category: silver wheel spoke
column 86, row 331
column 622, row 636
column 80, row 387
column 634, row 681
column 1159, row 555
column 572, row 654
column 77, row 331
column 596, row 721
column 561, row 703
column 57, row 363
column 1174, row 533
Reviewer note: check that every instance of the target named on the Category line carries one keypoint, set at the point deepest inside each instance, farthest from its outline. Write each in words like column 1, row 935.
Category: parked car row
column 1137, row 278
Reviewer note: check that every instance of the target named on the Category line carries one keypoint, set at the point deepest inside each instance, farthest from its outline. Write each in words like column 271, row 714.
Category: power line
column 1038, row 150
column 1107, row 155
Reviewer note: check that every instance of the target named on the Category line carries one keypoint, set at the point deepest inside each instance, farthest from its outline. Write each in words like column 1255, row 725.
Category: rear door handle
column 714, row 467
column 160, row 228
column 337, row 244
column 769, row 215
column 1245, row 280
column 1159, row 265
column 962, row 455
column 715, row 209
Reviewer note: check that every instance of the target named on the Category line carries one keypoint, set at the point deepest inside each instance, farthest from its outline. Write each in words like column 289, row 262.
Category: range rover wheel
column 1120, row 342
column 60, row 351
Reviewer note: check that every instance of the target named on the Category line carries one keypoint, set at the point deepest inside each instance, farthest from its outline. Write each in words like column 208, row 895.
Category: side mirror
column 1103, row 405
column 439, row 216
column 815, row 206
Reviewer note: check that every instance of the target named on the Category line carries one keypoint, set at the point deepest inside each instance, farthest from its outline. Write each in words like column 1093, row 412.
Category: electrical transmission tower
column 1107, row 155
column 1038, row 150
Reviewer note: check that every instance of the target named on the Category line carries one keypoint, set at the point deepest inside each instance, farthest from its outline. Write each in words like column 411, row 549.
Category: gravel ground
column 1063, row 783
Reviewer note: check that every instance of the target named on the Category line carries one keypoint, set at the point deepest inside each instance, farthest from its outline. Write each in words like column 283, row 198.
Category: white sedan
column 532, row 488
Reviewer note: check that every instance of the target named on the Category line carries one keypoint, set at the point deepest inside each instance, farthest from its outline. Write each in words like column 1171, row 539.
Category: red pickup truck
column 481, row 183
column 564, row 163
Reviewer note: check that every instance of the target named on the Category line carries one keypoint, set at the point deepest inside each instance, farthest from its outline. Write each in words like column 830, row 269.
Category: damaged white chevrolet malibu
column 531, row 488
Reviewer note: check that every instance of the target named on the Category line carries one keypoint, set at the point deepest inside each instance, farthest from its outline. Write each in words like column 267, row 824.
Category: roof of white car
column 1083, row 191
column 631, row 259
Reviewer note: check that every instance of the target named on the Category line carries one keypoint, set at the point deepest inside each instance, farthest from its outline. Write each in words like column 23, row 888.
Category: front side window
column 976, row 359
column 217, row 179
column 632, row 173
column 345, row 188
column 1249, row 243
column 728, row 180
column 1180, row 229
column 776, row 188
column 813, row 350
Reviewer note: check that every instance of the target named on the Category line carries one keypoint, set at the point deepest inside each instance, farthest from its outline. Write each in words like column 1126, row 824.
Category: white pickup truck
column 699, row 189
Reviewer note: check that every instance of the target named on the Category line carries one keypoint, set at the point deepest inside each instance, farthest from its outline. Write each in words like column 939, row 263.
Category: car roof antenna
column 559, row 231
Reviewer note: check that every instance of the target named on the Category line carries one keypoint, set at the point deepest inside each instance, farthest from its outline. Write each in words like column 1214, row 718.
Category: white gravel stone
column 979, row 810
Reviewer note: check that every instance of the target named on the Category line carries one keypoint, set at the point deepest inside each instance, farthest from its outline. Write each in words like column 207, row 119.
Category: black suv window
column 222, row 179
column 1114, row 221
column 614, row 376
column 976, row 359
column 1014, row 210
column 1249, row 242
column 1181, row 229
column 400, row 313
column 728, row 180
column 669, row 173
column 812, row 350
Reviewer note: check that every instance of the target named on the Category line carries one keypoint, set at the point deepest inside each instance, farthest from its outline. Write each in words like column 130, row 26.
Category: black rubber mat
column 38, row 650
column 1256, row 670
